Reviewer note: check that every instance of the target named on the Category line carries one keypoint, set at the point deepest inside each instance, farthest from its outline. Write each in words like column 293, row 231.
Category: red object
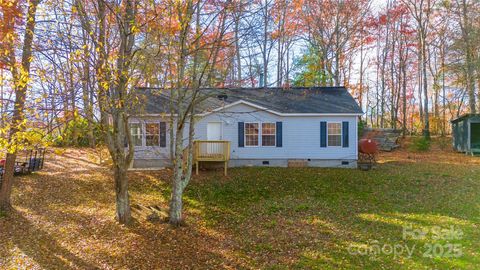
column 367, row 146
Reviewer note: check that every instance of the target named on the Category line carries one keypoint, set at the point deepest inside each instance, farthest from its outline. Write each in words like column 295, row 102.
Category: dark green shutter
column 241, row 134
column 323, row 134
column 279, row 134
column 345, row 133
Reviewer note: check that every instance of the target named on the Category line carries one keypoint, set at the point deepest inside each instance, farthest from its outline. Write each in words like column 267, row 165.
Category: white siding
column 301, row 136
column 152, row 152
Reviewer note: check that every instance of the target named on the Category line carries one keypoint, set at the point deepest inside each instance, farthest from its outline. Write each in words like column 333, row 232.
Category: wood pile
column 386, row 138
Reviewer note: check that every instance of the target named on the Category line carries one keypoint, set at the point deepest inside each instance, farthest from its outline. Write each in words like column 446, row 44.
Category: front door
column 214, row 131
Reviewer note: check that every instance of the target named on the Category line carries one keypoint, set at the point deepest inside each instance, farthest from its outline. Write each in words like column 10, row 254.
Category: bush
column 420, row 144
column 78, row 128
column 361, row 126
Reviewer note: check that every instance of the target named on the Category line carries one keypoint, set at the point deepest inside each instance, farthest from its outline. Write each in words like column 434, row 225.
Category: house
column 466, row 133
column 256, row 127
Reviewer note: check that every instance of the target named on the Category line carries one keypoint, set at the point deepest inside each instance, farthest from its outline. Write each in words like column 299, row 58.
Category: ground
column 257, row 218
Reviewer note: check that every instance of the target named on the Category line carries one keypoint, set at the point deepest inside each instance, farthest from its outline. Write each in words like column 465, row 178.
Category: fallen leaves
column 254, row 219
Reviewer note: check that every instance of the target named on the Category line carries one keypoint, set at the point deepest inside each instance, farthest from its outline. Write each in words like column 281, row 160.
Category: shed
column 466, row 133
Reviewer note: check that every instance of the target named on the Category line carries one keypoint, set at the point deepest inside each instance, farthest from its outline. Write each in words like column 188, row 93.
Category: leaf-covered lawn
column 257, row 218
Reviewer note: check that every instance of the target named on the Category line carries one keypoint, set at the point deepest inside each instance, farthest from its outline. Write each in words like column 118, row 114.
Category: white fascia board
column 275, row 112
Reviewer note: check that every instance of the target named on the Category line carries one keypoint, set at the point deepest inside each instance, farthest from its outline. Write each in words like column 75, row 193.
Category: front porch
column 211, row 151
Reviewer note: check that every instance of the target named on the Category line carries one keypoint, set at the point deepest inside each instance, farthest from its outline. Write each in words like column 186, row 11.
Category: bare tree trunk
column 470, row 81
column 404, row 95
column 112, row 94
column 176, row 200
column 121, row 192
column 393, row 120
column 420, row 105
column 426, row 130
column 21, row 83
column 86, row 92
column 265, row 42
column 237, row 49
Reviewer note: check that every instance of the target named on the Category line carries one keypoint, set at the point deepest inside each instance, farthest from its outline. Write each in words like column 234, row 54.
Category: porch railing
column 206, row 150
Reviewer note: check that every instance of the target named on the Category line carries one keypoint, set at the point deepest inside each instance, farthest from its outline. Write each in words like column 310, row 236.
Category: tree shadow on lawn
column 79, row 210
column 38, row 245
column 187, row 247
column 69, row 189
column 379, row 244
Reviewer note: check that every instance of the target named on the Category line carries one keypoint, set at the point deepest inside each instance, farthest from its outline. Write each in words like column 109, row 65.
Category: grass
column 257, row 218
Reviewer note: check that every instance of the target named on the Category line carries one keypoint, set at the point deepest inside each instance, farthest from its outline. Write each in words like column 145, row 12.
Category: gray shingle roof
column 328, row 100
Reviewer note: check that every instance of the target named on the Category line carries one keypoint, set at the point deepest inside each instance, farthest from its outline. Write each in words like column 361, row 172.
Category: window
column 136, row 134
column 334, row 134
column 268, row 134
column 152, row 134
column 251, row 134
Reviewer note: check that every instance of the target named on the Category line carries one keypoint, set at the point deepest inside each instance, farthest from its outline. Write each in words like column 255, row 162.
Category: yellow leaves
column 104, row 85
column 135, row 29
column 24, row 140
column 24, row 78
column 59, row 151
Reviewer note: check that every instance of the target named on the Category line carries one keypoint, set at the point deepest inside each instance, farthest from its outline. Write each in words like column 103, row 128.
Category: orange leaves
column 10, row 15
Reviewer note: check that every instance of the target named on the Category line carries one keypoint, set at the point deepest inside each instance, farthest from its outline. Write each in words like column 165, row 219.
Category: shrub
column 361, row 126
column 420, row 144
column 76, row 133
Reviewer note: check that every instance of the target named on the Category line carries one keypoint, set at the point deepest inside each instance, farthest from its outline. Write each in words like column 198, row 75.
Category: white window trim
column 259, row 136
column 260, row 133
column 274, row 134
column 142, row 134
column 341, row 135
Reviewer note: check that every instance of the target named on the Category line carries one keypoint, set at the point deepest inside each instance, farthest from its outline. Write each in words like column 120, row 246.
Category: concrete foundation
column 326, row 163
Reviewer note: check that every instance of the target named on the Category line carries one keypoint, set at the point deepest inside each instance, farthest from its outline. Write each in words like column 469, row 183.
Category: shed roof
column 321, row 100
column 465, row 116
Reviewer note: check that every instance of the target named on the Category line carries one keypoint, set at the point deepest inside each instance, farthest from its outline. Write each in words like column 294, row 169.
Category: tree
column 467, row 38
column 198, row 49
column 114, row 80
column 421, row 11
column 20, row 73
column 333, row 29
